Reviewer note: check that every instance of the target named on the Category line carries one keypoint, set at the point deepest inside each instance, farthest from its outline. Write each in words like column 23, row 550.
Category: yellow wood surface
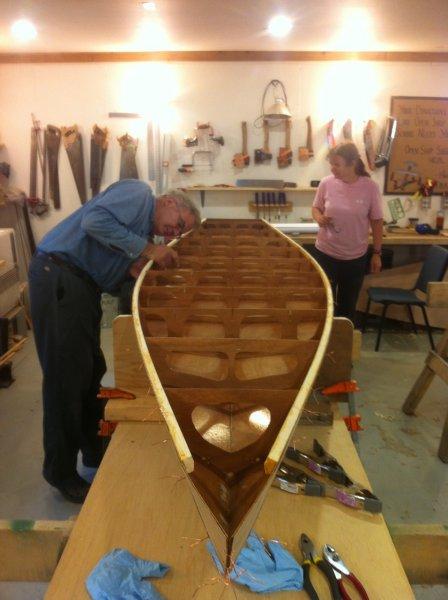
column 438, row 294
column 416, row 544
column 30, row 549
column 399, row 238
column 140, row 500
column 130, row 375
column 220, row 56
column 221, row 188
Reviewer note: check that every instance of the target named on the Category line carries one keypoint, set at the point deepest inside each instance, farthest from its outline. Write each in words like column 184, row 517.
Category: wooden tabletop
column 140, row 500
column 406, row 237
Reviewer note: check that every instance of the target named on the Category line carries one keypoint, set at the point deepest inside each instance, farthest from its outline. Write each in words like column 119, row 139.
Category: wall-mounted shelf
column 223, row 188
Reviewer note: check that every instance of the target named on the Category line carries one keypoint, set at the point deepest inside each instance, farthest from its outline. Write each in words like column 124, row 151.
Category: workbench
column 140, row 500
column 405, row 237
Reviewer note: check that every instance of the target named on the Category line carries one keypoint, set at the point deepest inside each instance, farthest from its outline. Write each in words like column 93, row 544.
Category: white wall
column 180, row 94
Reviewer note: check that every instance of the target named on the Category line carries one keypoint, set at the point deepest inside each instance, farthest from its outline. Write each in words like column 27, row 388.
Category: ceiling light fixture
column 280, row 26
column 23, row 30
column 149, row 6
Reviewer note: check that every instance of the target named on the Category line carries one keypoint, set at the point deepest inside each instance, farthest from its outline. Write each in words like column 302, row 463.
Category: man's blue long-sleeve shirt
column 107, row 234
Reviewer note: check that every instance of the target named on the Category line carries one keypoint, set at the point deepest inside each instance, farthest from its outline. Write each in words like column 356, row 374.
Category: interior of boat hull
column 232, row 334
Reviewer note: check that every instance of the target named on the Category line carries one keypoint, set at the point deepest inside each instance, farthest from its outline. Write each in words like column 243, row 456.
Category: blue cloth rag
column 263, row 568
column 118, row 576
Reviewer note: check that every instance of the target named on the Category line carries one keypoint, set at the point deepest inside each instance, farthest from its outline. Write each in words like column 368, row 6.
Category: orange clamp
column 106, row 428
column 353, row 423
column 343, row 387
column 106, row 393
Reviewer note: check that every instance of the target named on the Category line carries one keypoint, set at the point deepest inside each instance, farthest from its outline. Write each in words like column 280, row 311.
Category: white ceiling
column 330, row 25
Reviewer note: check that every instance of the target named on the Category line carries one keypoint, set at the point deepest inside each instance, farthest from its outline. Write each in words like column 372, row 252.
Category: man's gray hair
column 184, row 201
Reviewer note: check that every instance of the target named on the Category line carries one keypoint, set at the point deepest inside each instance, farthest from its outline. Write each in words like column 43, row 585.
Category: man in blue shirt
column 93, row 250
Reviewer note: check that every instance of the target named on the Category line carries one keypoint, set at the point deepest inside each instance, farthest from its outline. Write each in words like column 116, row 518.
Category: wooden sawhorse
column 436, row 364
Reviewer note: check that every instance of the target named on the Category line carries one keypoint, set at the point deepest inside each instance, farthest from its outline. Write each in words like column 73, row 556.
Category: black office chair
column 433, row 269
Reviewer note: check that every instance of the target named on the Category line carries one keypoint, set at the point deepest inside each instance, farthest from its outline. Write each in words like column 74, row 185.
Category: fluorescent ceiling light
column 23, row 30
column 280, row 26
column 149, row 6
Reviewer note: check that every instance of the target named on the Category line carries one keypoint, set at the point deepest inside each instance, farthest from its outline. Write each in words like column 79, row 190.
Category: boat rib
column 232, row 341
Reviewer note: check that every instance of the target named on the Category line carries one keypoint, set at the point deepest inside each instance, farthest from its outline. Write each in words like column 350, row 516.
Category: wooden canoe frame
column 242, row 241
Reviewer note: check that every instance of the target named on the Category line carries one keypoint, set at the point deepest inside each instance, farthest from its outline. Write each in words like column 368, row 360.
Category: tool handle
column 358, row 585
column 344, row 593
column 327, row 570
column 244, row 132
column 309, row 137
column 307, row 585
column 288, row 134
column 266, row 136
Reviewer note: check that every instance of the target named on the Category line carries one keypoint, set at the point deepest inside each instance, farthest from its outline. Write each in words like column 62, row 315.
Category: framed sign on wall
column 420, row 148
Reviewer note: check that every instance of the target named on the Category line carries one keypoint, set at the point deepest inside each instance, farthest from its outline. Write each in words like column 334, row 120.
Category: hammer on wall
column 243, row 159
column 263, row 155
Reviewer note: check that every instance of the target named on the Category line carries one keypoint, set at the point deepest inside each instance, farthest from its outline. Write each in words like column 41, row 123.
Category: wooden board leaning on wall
column 420, row 149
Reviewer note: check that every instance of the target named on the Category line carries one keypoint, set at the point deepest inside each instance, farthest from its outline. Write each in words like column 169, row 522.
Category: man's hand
column 375, row 263
column 137, row 266
column 163, row 256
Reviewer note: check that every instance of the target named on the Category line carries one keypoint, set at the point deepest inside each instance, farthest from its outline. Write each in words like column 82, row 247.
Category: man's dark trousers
column 66, row 315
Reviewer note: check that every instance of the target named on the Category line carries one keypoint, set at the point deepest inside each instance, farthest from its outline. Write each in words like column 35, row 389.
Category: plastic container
column 440, row 220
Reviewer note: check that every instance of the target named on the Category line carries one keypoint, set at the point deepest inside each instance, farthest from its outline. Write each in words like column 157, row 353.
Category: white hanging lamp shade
column 280, row 109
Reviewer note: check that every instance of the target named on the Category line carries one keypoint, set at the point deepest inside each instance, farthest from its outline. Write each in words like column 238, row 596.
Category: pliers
column 310, row 558
column 341, row 571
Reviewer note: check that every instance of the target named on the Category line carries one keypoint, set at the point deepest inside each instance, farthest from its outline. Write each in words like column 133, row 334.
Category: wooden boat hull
column 232, row 341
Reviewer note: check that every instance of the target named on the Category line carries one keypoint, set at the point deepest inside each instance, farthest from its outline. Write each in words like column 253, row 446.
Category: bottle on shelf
column 440, row 220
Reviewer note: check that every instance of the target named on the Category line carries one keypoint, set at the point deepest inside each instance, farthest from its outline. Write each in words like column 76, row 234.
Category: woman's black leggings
column 346, row 277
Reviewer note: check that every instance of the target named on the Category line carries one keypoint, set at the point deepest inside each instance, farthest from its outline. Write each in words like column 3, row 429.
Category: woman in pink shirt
column 347, row 205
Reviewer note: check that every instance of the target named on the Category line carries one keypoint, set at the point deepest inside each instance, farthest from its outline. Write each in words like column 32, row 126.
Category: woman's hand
column 324, row 221
column 375, row 263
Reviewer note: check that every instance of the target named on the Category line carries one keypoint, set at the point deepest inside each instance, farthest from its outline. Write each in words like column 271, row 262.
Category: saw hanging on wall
column 99, row 143
column 347, row 131
column 368, row 144
column 52, row 143
column 243, row 159
column 385, row 148
column 307, row 152
column 284, row 158
column 331, row 143
column 38, row 206
column 72, row 140
column 128, row 166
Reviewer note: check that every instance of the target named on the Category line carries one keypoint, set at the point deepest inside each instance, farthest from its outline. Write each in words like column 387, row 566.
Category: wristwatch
column 377, row 252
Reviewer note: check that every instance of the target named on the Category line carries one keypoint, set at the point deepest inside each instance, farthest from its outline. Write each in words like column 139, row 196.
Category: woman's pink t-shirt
column 351, row 206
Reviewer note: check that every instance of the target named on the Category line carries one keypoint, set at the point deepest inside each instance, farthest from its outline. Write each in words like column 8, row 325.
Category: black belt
column 60, row 262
